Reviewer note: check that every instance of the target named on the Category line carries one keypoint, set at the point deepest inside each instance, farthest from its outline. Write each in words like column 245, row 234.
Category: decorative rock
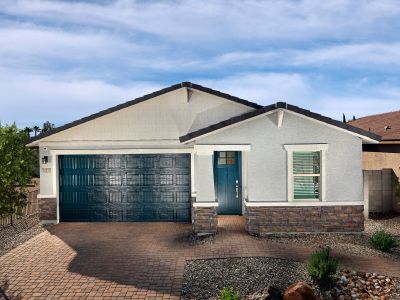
column 343, row 279
column 269, row 293
column 328, row 295
column 337, row 290
column 299, row 291
column 362, row 286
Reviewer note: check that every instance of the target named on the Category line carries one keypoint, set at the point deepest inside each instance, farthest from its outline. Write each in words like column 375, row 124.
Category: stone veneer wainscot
column 265, row 220
column 48, row 209
column 205, row 220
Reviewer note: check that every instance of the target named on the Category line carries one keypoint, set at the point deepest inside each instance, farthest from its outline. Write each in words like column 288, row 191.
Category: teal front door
column 227, row 178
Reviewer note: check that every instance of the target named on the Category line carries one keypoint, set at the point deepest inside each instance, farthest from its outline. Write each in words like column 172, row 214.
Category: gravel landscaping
column 391, row 225
column 13, row 236
column 356, row 244
column 203, row 279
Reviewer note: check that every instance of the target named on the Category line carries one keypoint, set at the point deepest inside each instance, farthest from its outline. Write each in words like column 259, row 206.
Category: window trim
column 323, row 148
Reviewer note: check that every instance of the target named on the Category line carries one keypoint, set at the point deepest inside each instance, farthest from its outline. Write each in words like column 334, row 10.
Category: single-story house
column 189, row 153
column 386, row 154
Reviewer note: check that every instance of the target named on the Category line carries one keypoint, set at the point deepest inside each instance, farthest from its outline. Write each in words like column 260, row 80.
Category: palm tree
column 28, row 130
column 36, row 129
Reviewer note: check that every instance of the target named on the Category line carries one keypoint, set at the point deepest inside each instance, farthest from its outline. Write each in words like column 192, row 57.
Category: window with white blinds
column 306, row 175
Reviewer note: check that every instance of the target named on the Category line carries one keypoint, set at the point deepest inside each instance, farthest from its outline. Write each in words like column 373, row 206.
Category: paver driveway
column 133, row 260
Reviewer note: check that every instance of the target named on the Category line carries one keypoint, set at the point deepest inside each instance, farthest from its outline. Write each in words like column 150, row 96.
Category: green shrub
column 16, row 165
column 383, row 241
column 321, row 266
column 229, row 294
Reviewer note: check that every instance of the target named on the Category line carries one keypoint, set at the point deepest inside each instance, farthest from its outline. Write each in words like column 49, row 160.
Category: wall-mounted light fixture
column 45, row 159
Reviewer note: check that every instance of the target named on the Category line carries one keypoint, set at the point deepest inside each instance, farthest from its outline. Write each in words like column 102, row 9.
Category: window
column 306, row 175
column 306, row 172
column 226, row 158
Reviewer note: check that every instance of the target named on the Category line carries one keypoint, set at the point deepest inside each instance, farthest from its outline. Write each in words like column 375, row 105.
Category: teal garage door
column 111, row 188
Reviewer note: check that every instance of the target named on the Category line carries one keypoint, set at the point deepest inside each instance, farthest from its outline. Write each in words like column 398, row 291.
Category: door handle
column 237, row 189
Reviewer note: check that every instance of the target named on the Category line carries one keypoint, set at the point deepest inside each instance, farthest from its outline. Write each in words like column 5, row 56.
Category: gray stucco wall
column 267, row 161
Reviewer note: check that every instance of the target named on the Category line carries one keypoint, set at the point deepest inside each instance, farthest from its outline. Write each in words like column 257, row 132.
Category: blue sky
column 62, row 60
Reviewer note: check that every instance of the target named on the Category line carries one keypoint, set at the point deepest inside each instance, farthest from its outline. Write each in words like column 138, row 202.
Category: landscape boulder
column 300, row 291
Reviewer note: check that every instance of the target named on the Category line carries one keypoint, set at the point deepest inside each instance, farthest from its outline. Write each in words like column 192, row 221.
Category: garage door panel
column 125, row 187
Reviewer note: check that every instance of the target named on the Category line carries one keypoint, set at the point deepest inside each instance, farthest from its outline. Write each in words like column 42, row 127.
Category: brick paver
column 135, row 260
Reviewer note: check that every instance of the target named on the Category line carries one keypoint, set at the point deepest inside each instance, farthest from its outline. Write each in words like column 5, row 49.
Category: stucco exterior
column 262, row 135
column 159, row 121
column 267, row 160
column 382, row 160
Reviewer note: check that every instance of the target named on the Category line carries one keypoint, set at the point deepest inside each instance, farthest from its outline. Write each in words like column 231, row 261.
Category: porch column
column 205, row 217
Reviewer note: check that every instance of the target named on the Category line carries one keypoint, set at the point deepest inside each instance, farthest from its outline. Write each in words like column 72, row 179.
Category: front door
column 227, row 178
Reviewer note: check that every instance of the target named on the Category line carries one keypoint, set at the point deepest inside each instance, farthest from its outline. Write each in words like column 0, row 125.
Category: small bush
column 383, row 241
column 229, row 294
column 321, row 266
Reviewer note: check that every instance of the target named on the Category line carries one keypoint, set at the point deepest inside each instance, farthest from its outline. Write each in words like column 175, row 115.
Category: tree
column 36, row 129
column 344, row 118
column 28, row 131
column 47, row 126
column 16, row 164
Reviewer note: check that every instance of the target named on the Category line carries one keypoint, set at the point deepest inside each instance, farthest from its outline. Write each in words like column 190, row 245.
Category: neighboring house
column 386, row 154
column 189, row 153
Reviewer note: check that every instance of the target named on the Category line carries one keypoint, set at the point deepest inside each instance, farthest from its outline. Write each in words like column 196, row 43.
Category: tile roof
column 387, row 125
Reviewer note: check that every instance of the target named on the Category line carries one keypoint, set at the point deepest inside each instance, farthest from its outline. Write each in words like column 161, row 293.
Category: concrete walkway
column 136, row 260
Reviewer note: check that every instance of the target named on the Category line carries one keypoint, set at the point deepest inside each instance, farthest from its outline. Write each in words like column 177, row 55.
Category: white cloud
column 263, row 88
column 354, row 56
column 180, row 20
column 367, row 54
column 359, row 98
column 33, row 99
column 34, row 41
column 61, row 60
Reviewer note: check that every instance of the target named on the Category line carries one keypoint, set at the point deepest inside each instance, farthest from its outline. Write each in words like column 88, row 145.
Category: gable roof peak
column 273, row 107
column 163, row 91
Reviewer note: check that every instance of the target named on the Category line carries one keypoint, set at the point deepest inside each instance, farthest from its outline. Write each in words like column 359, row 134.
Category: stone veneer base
column 266, row 220
column 48, row 209
column 205, row 220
